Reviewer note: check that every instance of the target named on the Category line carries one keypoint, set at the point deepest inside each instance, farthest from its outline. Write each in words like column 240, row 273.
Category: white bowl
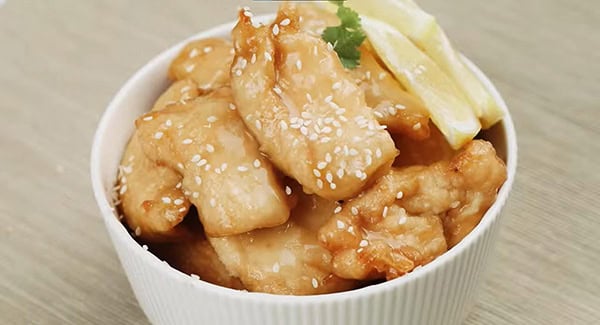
column 441, row 292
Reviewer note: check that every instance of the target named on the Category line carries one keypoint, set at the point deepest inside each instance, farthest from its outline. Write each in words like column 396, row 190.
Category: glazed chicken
column 144, row 184
column 287, row 259
column 223, row 172
column 412, row 215
column 303, row 108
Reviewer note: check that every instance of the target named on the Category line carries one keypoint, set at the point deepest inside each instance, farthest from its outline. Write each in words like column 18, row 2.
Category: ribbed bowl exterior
column 441, row 292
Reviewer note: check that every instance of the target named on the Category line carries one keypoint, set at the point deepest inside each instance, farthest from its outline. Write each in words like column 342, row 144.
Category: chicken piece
column 394, row 107
column 286, row 259
column 233, row 186
column 145, row 187
column 306, row 112
column 412, row 215
column 206, row 61
column 423, row 152
column 197, row 257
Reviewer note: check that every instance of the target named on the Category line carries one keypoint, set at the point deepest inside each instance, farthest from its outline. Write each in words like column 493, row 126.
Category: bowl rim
column 117, row 229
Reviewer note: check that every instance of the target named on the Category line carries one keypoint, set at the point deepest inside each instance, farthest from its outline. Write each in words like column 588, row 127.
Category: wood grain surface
column 61, row 61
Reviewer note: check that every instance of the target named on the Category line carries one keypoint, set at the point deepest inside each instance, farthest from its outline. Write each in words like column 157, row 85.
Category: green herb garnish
column 347, row 37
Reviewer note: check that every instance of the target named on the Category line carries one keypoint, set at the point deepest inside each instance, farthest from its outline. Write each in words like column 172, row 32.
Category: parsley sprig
column 347, row 37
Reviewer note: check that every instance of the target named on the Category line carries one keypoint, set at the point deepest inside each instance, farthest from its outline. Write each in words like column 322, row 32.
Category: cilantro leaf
column 347, row 37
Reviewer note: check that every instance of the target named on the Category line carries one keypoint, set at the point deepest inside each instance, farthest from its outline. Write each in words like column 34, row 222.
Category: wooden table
column 61, row 62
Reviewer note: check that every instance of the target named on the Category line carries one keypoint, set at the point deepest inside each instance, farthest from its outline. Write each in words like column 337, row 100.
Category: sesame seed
column 232, row 106
column 210, row 148
column 276, row 267
column 402, row 220
column 182, row 209
column 315, row 283
column 166, row 200
column 211, row 119
column 193, row 53
column 180, row 165
column 400, row 106
column 148, row 118
column 283, row 125
column 338, row 209
column 321, row 165
column 360, row 250
column 198, row 180
column 306, row 115
column 196, row 158
column 329, row 46
column 285, row 22
column 189, row 68
column 186, row 141
column 248, row 14
column 277, row 90
column 339, row 132
column 455, row 204
column 238, row 72
column 276, row 30
column 309, row 98
column 253, row 59
column 340, row 173
column 319, row 183
column 218, row 170
column 340, row 111
column 354, row 211
column 304, row 130
column 328, row 99
column 185, row 89
column 299, row 64
column 378, row 153
column 213, row 202
column 382, row 75
column 178, row 186
column 138, row 231
column 195, row 276
column 368, row 160
column 242, row 168
column 202, row 163
column 363, row 176
column 392, row 110
column 123, row 190
column 195, row 195
column 399, row 195
column 337, row 149
column 268, row 56
column 385, row 211
column 332, row 186
column 378, row 114
column 358, row 174
column 363, row 243
column 288, row 190
column 315, row 49
column 340, row 224
column 417, row 126
column 178, row 202
column 223, row 166
column 256, row 163
column 258, row 124
column 316, row 172
column 337, row 85
column 325, row 139
column 158, row 135
column 368, row 75
column 243, row 63
column 350, row 229
column 145, row 247
column 206, row 168
column 329, row 177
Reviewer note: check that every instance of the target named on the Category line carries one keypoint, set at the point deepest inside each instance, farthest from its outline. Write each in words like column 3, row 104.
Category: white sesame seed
column 288, row 190
column 455, row 204
column 202, row 162
column 417, row 126
column 195, row 276
column 340, row 224
column 329, row 46
column 195, row 195
column 337, row 149
column 382, row 75
column 185, row 89
column 198, row 180
column 368, row 160
column 399, row 195
column 285, row 22
column 353, row 152
column 319, row 183
column 378, row 114
column 210, row 148
column 368, row 75
column 256, row 163
column 402, row 220
column 392, row 110
column 238, row 72
column 299, row 64
column 321, row 165
column 339, row 132
column 189, row 68
column 213, row 202
column 309, row 98
column 340, row 173
column 317, row 173
column 329, row 177
column 196, row 158
column 211, row 119
column 138, row 232
column 232, row 106
column 123, row 189
column 378, row 153
column 242, row 168
column 145, row 247
column 206, row 168
column 158, row 135
column 178, row 186
column 340, row 111
column 276, row 30
column 182, row 209
column 253, row 59
column 338, row 209
column 360, row 250
column 258, row 124
column 385, row 211
column 304, row 130
column 166, row 200
column 337, row 85
column 363, row 176
column 148, row 118
column 218, row 170
column 328, row 99
column 193, row 53
column 358, row 174
column 180, row 165
column 315, row 283
column 277, row 90
column 354, row 211
column 207, row 49
column 350, row 229
column 400, row 106
column 363, row 243
column 268, row 56
column 248, row 14
column 283, row 125
column 178, row 201
column 187, row 141
column 275, row 267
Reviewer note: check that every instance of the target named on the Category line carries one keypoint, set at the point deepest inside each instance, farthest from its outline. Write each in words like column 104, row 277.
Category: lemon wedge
column 449, row 109
column 423, row 29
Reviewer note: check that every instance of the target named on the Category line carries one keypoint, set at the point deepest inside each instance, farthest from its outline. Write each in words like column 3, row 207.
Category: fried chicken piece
column 233, row 186
column 206, row 61
column 286, row 259
column 306, row 112
column 394, row 107
column 412, row 215
column 197, row 257
column 423, row 152
column 145, row 186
